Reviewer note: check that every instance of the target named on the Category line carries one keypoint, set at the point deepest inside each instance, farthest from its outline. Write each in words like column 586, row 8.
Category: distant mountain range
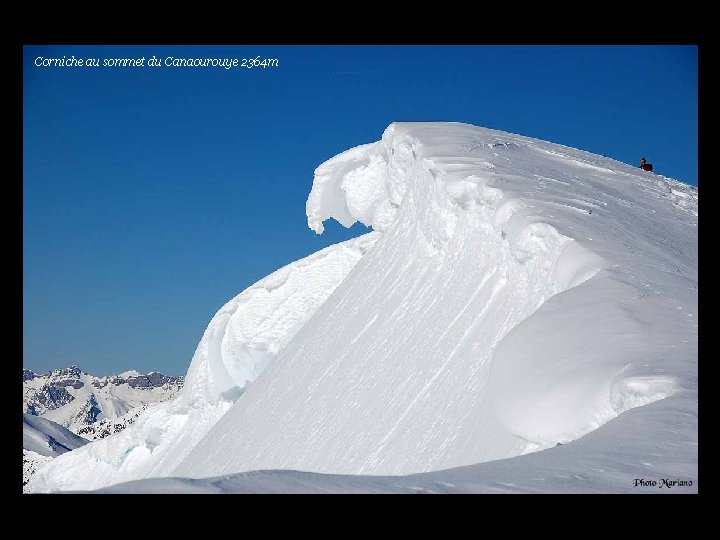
column 88, row 405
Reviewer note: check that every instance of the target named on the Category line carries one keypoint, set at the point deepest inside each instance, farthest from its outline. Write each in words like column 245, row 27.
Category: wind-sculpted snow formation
column 519, row 294
column 241, row 339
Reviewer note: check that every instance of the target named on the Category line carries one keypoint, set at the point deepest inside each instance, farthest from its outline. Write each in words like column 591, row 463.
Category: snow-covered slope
column 76, row 400
column 48, row 438
column 241, row 339
column 519, row 294
column 32, row 462
column 646, row 443
column 44, row 440
column 522, row 294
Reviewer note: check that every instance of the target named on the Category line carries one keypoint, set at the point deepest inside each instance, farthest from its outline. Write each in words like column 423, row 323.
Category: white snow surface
column 241, row 339
column 47, row 438
column 519, row 294
column 130, row 373
column 44, row 440
column 32, row 461
column 522, row 294
column 643, row 443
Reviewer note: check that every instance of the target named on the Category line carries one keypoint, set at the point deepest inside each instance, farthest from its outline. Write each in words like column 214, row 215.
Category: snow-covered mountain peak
column 516, row 294
column 130, row 373
column 75, row 399
column 491, row 317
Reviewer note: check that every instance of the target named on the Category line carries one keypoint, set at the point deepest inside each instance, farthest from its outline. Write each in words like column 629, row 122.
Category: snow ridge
column 405, row 368
column 48, row 438
column 516, row 294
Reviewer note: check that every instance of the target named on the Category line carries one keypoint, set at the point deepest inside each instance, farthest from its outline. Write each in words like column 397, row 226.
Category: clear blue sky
column 154, row 195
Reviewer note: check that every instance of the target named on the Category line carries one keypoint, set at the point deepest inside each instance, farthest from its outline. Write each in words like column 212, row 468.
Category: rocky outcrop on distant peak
column 151, row 380
column 104, row 428
column 92, row 398
column 50, row 397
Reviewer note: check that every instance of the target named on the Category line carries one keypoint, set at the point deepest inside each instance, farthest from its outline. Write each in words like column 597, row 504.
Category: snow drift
column 516, row 294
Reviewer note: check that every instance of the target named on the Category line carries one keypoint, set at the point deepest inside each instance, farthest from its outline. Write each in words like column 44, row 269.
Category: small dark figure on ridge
column 645, row 166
